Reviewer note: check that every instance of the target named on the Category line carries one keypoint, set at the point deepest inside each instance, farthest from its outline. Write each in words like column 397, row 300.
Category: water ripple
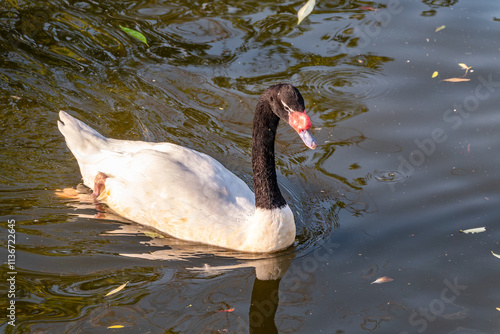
column 356, row 82
column 387, row 176
column 204, row 30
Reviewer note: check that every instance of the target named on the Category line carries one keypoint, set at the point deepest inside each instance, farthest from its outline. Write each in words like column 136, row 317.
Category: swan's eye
column 287, row 108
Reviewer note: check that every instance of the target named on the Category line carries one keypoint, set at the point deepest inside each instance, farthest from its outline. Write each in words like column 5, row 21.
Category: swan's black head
column 288, row 104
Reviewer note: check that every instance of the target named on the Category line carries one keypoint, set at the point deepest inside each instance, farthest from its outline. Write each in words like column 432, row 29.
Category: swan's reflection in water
column 263, row 307
column 269, row 269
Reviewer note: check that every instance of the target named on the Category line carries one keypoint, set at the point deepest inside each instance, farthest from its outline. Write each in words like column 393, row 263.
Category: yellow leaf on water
column 456, row 79
column 116, row 326
column 498, row 308
column 474, row 230
column 495, row 255
column 153, row 235
column 305, row 10
column 383, row 279
column 121, row 287
column 435, row 74
column 440, row 28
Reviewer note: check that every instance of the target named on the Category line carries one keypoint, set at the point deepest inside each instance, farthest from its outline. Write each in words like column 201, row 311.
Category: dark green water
column 404, row 162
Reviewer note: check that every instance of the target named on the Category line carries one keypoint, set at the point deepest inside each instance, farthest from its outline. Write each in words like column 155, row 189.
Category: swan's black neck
column 265, row 124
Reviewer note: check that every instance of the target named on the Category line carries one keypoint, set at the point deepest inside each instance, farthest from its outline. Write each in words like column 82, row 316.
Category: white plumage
column 182, row 192
column 188, row 194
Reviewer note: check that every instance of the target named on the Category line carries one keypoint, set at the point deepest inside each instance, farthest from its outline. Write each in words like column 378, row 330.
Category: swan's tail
column 82, row 140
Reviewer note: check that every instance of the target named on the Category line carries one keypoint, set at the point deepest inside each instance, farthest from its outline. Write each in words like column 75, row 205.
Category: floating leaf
column 383, row 279
column 153, row 235
column 474, row 230
column 135, row 34
column 495, row 255
column 498, row 308
column 435, row 74
column 369, row 8
column 305, row 10
column 456, row 79
column 121, row 287
column 465, row 67
column 440, row 28
column 228, row 310
column 116, row 326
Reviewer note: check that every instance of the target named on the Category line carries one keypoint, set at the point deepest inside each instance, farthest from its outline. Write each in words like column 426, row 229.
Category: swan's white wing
column 178, row 191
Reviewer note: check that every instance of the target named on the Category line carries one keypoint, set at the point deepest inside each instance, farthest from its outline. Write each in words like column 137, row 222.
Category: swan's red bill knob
column 299, row 121
column 302, row 123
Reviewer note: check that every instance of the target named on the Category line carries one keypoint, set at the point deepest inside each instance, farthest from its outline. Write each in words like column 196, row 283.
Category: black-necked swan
column 188, row 194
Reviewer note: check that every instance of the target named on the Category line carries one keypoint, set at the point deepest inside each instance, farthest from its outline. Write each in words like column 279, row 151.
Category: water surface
column 405, row 161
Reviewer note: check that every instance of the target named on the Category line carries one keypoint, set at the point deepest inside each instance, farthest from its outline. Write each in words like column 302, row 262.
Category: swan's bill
column 308, row 139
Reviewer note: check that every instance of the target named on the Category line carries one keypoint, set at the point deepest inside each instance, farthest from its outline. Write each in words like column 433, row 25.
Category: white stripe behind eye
column 287, row 108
